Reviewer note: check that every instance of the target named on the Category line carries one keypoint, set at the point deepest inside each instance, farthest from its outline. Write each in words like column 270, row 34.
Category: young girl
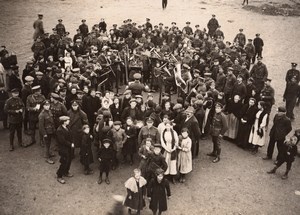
column 288, row 151
column 184, row 155
column 158, row 192
column 169, row 141
column 136, row 191
column 105, row 157
column 86, row 154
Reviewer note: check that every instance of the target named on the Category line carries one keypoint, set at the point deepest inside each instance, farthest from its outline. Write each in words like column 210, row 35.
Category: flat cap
column 281, row 109
column 137, row 76
column 15, row 90
column 37, row 87
column 149, row 119
column 218, row 104
column 29, row 78
column 106, row 141
column 55, row 95
column 190, row 109
column 64, row 118
column 117, row 123
column 39, row 73
column 132, row 100
column 61, row 81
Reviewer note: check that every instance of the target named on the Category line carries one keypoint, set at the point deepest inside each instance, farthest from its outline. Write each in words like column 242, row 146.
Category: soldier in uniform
column 258, row 44
column 60, row 28
column 14, row 108
column 212, row 25
column 47, row 129
column 218, row 127
column 26, row 91
column 293, row 72
column 33, row 105
column 38, row 48
column 57, row 108
column 250, row 50
column 267, row 95
column 65, row 145
column 164, row 4
column 84, row 28
column 148, row 24
column 240, row 38
column 54, row 37
column 259, row 73
column 137, row 87
column 148, row 131
column 38, row 27
column 290, row 95
column 188, row 29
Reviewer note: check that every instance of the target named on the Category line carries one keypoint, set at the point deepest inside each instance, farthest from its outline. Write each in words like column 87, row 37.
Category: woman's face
column 160, row 177
column 137, row 175
column 129, row 122
column 184, row 134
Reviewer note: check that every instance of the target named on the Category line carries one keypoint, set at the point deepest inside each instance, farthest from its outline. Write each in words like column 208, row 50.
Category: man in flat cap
column 212, row 25
column 14, row 108
column 26, row 91
column 281, row 128
column 38, row 27
column 219, row 126
column 33, row 105
column 65, row 147
column 137, row 87
column 60, row 28
column 57, row 108
column 191, row 123
column 293, row 72
column 258, row 44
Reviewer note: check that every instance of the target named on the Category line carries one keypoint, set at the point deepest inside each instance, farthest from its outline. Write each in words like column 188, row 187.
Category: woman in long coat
column 130, row 146
column 77, row 119
column 136, row 192
column 185, row 154
column 169, row 141
column 258, row 132
column 233, row 109
column 158, row 191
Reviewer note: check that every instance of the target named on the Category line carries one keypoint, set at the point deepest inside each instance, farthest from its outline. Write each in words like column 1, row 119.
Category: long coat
column 77, row 120
column 137, row 201
column 254, row 138
column 86, row 154
column 158, row 193
column 185, row 156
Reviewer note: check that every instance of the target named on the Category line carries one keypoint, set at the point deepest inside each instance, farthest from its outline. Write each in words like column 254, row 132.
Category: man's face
column 218, row 109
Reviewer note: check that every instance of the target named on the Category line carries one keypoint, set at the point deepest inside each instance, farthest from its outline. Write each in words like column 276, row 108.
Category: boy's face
column 184, row 134
column 160, row 177
column 157, row 150
column 148, row 143
column 218, row 109
column 117, row 127
column 87, row 130
column 294, row 140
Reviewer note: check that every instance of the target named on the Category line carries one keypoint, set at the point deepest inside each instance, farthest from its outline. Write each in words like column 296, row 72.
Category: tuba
column 178, row 78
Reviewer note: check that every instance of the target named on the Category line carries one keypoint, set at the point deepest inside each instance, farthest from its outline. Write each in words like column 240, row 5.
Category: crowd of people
column 70, row 90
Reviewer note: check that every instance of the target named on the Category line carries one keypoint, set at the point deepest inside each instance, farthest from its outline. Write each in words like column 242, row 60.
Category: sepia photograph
column 149, row 107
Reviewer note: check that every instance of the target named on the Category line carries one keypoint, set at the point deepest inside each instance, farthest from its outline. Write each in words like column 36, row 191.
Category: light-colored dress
column 185, row 156
column 166, row 143
column 254, row 138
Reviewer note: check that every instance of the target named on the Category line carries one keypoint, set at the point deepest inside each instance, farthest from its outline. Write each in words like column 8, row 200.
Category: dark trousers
column 25, row 121
column 65, row 163
column 164, row 3
column 271, row 146
column 32, row 128
column 12, row 129
column 245, row 1
column 288, row 164
column 258, row 53
column 289, row 105
column 47, row 142
column 216, row 145
column 195, row 148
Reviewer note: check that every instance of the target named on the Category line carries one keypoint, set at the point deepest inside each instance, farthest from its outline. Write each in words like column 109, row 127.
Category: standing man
column 33, row 105
column 164, row 4
column 280, row 129
column 84, row 28
column 290, row 95
column 258, row 44
column 218, row 127
column 259, row 73
column 240, row 38
column 268, row 95
column 60, row 28
column 47, row 129
column 65, row 147
column 212, row 25
column 14, row 108
column 26, row 91
column 293, row 72
column 192, row 124
column 38, row 27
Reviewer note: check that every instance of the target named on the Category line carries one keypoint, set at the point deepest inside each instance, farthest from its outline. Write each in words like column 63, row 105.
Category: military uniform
column 33, row 105
column 58, row 109
column 60, row 28
column 46, row 129
column 259, row 73
column 267, row 95
column 292, row 73
column 146, row 132
column 14, row 108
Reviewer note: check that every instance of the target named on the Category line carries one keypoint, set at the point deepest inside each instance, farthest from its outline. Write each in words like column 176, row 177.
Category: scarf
column 132, row 185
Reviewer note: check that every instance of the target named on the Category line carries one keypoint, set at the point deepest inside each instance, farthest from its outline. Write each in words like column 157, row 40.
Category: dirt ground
column 236, row 185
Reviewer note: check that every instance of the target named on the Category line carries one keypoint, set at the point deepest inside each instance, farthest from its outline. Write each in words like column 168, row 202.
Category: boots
column 11, row 147
column 216, row 160
column 107, row 180
column 285, row 176
column 100, row 180
column 272, row 171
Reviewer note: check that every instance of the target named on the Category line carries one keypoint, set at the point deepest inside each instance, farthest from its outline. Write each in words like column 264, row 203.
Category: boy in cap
column 105, row 157
column 288, row 151
column 86, row 154
column 14, row 108
column 218, row 127
column 155, row 161
column 65, row 147
column 119, row 137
